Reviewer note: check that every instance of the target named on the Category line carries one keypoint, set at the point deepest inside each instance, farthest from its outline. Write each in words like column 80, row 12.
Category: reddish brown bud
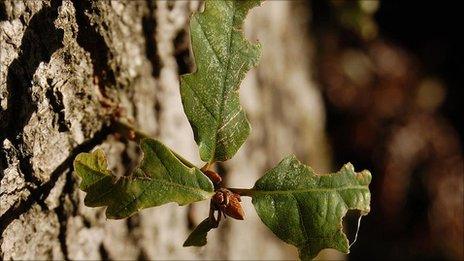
column 218, row 198
column 234, row 208
column 228, row 203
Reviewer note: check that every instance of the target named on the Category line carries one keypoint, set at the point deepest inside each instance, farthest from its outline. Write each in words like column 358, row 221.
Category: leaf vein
column 165, row 182
column 221, row 107
column 308, row 190
column 201, row 101
column 305, row 235
column 216, row 55
column 230, row 120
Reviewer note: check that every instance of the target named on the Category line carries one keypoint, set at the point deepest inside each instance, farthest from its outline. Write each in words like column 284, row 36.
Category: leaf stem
column 132, row 133
column 243, row 191
column 206, row 166
column 128, row 131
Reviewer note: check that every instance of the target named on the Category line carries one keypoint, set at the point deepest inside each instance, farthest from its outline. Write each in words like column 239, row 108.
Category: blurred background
column 391, row 77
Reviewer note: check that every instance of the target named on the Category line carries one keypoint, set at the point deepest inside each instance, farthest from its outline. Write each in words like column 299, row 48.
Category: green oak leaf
column 210, row 94
column 198, row 235
column 305, row 209
column 160, row 178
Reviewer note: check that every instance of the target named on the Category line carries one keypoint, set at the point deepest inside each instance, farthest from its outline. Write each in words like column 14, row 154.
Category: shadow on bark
column 40, row 40
column 39, row 194
column 3, row 15
column 94, row 43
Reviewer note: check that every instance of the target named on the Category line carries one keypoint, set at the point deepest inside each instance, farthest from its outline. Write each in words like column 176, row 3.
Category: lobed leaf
column 198, row 235
column 305, row 209
column 210, row 95
column 160, row 178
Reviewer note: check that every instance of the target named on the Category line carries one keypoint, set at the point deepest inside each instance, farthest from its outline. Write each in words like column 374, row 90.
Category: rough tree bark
column 69, row 66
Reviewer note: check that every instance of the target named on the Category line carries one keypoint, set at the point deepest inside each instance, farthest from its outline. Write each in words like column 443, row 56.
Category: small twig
column 212, row 210
column 242, row 192
column 132, row 133
column 128, row 131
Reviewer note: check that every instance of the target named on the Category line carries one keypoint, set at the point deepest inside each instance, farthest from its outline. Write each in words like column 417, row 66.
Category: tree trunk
column 69, row 66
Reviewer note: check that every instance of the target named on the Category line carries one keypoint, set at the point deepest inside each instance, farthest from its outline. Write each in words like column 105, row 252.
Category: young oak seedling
column 300, row 207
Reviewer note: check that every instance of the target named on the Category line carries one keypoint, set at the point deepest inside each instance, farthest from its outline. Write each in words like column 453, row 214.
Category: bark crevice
column 149, row 26
column 93, row 42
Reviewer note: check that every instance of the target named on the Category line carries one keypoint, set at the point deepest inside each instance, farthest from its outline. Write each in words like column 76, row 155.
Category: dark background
column 391, row 77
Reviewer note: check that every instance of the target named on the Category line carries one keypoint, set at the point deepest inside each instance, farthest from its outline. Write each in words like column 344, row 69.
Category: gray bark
column 69, row 66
